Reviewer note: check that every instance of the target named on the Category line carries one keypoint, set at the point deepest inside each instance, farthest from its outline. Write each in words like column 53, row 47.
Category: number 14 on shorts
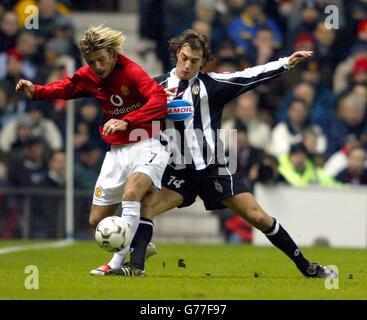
column 176, row 182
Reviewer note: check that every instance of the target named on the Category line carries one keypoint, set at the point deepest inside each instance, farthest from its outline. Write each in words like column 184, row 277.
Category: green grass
column 212, row 272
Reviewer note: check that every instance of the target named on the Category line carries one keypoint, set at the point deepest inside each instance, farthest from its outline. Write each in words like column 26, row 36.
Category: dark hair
column 298, row 147
column 298, row 100
column 195, row 40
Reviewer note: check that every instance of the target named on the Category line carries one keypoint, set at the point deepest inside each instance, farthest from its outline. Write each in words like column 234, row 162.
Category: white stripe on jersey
column 191, row 138
column 250, row 72
column 206, row 121
column 222, row 88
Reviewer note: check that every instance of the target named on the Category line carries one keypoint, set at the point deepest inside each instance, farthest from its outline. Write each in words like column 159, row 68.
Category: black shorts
column 211, row 186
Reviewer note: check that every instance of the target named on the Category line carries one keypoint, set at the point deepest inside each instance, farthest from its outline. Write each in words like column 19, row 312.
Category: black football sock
column 140, row 242
column 282, row 240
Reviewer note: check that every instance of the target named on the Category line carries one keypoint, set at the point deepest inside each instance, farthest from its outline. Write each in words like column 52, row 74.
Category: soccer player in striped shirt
column 198, row 167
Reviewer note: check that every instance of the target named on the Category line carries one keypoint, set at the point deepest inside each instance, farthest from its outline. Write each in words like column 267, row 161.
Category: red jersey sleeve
column 69, row 88
column 155, row 107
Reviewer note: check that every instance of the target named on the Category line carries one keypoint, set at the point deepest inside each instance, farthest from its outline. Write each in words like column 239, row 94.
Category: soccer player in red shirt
column 131, row 101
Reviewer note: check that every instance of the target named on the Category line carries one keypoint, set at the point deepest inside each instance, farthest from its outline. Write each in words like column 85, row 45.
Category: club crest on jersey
column 125, row 91
column 195, row 89
column 180, row 110
column 98, row 192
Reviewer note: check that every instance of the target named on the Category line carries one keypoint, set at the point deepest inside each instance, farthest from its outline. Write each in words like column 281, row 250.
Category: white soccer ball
column 113, row 234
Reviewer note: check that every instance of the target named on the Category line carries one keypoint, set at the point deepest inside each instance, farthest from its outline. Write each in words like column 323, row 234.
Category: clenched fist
column 26, row 87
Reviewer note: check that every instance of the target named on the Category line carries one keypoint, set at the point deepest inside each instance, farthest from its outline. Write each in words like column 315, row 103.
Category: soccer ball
column 113, row 234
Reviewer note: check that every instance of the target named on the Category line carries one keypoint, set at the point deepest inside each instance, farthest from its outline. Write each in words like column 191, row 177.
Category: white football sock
column 131, row 212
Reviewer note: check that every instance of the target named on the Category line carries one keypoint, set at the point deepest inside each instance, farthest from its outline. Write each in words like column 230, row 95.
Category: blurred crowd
column 307, row 127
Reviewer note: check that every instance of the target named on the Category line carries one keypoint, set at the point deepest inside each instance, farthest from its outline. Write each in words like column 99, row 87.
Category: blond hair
column 101, row 37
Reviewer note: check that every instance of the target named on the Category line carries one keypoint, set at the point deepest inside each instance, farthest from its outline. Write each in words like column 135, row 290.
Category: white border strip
column 40, row 246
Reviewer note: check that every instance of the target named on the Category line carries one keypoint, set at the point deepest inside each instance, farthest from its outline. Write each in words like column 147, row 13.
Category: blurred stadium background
column 321, row 104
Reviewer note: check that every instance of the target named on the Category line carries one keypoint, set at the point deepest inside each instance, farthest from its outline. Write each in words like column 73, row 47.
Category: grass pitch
column 215, row 272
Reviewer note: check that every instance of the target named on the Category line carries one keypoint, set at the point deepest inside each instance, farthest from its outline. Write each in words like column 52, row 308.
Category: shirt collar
column 173, row 75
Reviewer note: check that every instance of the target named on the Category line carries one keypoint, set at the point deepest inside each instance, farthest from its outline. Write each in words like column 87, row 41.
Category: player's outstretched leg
column 153, row 204
column 247, row 207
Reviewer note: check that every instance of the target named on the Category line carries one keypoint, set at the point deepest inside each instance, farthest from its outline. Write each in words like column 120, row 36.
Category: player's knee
column 259, row 219
column 263, row 221
column 93, row 222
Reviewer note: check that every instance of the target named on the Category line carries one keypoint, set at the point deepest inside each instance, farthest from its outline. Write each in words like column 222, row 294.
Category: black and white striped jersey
column 205, row 96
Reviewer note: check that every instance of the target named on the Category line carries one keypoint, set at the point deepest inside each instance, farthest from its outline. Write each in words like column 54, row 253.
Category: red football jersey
column 128, row 93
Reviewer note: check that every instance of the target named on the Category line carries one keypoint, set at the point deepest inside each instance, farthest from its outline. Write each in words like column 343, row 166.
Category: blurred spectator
column 321, row 104
column 236, row 229
column 17, row 62
column 14, row 135
column 57, row 65
column 246, row 113
column 339, row 160
column 292, row 130
column 172, row 9
column 248, row 157
column 47, row 213
column 313, row 74
column 202, row 27
column 56, row 171
column 310, row 140
column 33, row 122
column 226, row 65
column 9, row 30
column 356, row 171
column 298, row 170
column 342, row 78
column 263, row 48
column 253, row 164
column 356, row 11
column 8, row 108
column 88, row 165
column 50, row 210
column 243, row 28
column 62, row 7
column 304, row 41
column 31, row 170
column 226, row 49
column 205, row 11
column 327, row 54
column 44, row 127
column 233, row 9
column 362, row 32
column 88, row 119
column 351, row 121
column 64, row 29
column 360, row 71
column 48, row 14
column 310, row 14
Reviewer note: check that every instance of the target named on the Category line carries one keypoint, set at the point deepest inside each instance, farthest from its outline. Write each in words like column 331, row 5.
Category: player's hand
column 113, row 125
column 26, row 87
column 171, row 93
column 298, row 56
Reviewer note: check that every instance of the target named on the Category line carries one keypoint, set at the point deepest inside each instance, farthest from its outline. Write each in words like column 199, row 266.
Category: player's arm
column 231, row 85
column 69, row 88
column 155, row 107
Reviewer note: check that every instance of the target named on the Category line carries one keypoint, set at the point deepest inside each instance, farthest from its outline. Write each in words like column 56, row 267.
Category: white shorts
column 147, row 156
